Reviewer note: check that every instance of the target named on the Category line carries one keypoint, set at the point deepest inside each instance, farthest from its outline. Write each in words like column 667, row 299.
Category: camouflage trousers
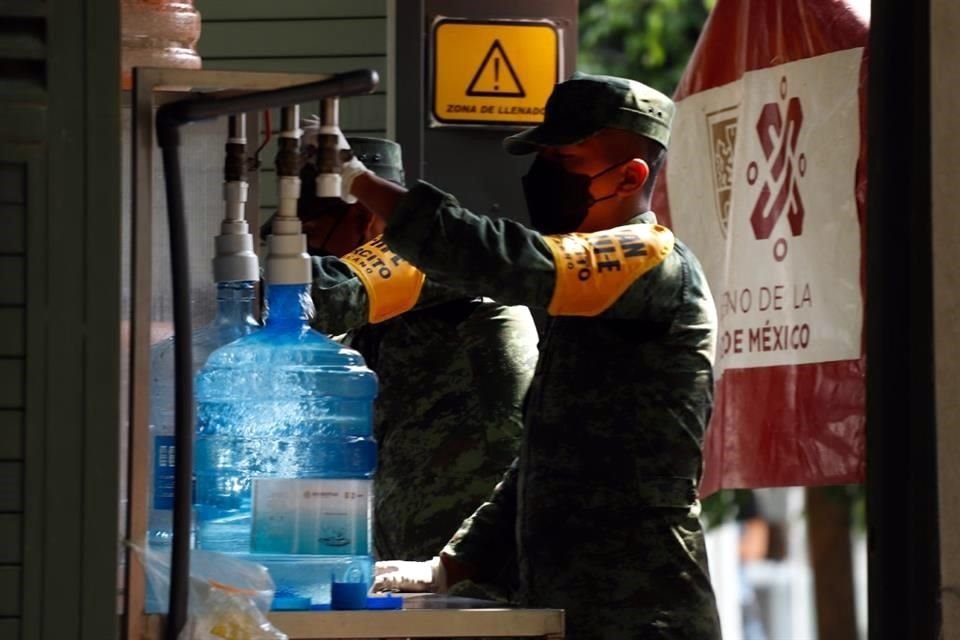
column 642, row 580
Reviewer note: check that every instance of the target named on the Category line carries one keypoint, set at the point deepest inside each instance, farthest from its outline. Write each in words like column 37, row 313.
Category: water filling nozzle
column 235, row 259
column 287, row 258
column 170, row 118
column 329, row 146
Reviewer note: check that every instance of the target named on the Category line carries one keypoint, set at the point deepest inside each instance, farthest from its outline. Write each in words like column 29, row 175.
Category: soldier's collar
column 647, row 217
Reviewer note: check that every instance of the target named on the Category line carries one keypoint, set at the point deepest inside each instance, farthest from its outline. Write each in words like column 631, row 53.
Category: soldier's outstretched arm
column 616, row 272
column 346, row 296
column 339, row 299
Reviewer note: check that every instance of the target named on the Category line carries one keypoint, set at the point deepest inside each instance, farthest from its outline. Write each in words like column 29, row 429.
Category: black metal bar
column 183, row 402
column 183, row 112
column 411, row 91
column 170, row 118
column 902, row 508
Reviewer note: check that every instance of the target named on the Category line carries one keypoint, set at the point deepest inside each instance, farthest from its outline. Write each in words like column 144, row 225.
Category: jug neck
column 288, row 305
column 235, row 302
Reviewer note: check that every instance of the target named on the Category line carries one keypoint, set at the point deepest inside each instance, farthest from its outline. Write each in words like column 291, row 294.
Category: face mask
column 558, row 200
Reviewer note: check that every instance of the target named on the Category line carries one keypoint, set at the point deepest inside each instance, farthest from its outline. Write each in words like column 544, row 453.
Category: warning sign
column 493, row 72
column 488, row 81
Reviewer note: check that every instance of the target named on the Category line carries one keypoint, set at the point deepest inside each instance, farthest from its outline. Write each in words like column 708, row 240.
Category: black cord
column 184, row 403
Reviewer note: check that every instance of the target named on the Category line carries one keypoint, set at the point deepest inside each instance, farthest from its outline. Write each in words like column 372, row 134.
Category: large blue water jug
column 234, row 319
column 285, row 453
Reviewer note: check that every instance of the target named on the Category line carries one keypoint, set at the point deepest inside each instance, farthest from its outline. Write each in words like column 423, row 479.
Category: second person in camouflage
column 453, row 370
column 601, row 508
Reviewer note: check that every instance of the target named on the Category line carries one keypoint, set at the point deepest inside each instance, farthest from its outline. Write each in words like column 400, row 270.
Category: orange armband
column 594, row 269
column 392, row 284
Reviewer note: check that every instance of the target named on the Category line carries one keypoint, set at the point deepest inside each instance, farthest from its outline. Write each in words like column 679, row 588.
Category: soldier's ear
column 633, row 176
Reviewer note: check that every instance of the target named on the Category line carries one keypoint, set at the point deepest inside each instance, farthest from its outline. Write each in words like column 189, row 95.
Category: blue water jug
column 234, row 319
column 285, row 453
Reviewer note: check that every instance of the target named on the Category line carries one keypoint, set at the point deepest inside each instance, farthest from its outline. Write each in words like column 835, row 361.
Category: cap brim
column 533, row 139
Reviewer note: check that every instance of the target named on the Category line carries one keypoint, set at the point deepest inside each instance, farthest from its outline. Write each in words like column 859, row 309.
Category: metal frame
column 151, row 89
column 903, row 538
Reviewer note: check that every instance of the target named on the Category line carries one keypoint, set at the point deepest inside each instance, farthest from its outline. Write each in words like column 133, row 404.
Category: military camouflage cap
column 380, row 156
column 585, row 103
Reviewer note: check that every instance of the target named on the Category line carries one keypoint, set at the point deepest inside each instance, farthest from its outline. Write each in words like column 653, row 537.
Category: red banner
column 768, row 171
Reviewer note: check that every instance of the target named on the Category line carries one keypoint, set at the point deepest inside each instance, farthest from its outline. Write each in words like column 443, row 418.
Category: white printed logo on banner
column 722, row 127
column 761, row 182
column 778, row 129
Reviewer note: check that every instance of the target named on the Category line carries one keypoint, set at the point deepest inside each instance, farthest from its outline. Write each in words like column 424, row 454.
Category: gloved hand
column 410, row 577
column 351, row 166
column 349, row 171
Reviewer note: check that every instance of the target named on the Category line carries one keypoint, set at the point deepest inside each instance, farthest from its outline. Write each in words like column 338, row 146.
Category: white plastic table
column 423, row 616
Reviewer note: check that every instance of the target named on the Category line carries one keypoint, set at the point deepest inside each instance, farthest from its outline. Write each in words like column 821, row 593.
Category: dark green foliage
column 645, row 40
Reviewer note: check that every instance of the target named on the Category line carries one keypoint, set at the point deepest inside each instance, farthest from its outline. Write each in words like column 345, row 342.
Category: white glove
column 350, row 169
column 348, row 173
column 312, row 128
column 410, row 577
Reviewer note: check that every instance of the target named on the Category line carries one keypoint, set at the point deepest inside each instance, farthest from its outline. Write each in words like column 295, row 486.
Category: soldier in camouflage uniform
column 453, row 370
column 601, row 507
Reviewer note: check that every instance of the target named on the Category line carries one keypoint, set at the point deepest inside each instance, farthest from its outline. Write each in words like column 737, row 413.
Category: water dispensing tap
column 287, row 259
column 170, row 119
column 235, row 259
column 330, row 144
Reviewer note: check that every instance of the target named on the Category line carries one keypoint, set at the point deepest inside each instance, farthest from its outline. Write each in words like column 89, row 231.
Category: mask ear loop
column 361, row 233
column 361, row 236
column 613, row 193
column 336, row 225
column 611, row 168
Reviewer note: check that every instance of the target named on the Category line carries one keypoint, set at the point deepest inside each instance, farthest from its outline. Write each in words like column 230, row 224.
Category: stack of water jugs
column 284, row 455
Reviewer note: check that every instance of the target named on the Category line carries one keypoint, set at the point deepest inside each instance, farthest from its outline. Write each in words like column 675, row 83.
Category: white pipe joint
column 235, row 196
column 288, row 193
column 287, row 259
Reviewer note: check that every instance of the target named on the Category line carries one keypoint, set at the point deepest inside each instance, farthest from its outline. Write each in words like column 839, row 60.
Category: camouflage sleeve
column 340, row 299
column 512, row 264
column 486, row 542
column 500, row 259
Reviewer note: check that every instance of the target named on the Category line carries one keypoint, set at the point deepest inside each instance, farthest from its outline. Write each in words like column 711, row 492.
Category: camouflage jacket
column 601, row 505
column 453, row 373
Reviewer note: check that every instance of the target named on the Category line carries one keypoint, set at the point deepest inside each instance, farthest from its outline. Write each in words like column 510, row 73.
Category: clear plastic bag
column 228, row 599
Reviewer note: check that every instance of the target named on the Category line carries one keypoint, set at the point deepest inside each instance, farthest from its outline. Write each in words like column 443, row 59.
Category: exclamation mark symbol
column 496, row 73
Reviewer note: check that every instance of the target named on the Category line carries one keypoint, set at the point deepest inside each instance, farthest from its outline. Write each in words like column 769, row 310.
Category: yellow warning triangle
column 495, row 77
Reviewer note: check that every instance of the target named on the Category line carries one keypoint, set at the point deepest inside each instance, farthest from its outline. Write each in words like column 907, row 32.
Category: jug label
column 164, row 459
column 311, row 516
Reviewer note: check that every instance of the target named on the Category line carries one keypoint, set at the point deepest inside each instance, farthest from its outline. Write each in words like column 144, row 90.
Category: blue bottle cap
column 348, row 595
column 384, row 603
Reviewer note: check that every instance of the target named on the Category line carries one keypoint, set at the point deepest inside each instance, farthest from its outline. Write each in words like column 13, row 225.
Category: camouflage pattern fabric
column 453, row 373
column 602, row 500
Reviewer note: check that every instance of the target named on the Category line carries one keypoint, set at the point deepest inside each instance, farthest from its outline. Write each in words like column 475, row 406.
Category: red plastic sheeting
column 768, row 173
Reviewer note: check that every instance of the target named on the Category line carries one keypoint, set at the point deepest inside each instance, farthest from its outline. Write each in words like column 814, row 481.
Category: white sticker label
column 311, row 516
column 761, row 181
